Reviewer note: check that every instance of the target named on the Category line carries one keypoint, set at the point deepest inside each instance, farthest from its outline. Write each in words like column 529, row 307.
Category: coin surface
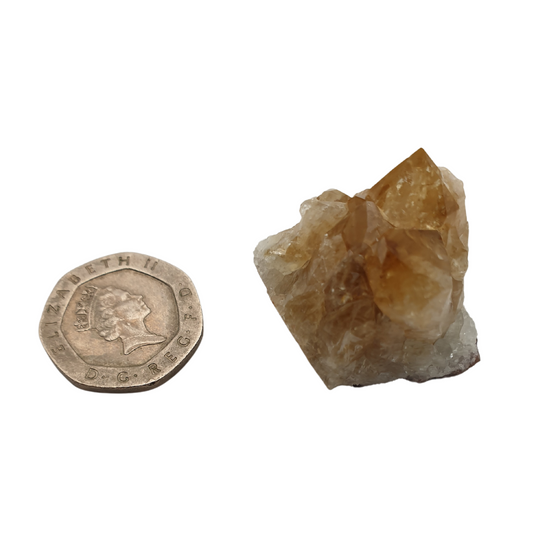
column 122, row 323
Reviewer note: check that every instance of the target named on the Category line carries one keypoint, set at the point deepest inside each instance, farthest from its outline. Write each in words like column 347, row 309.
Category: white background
column 189, row 131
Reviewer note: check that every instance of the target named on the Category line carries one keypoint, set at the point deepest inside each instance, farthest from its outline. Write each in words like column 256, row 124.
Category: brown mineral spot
column 371, row 287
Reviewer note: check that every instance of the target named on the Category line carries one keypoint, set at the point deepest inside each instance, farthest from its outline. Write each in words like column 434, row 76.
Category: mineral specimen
column 371, row 287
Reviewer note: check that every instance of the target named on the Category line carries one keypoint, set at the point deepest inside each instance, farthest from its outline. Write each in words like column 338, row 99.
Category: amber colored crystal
column 371, row 287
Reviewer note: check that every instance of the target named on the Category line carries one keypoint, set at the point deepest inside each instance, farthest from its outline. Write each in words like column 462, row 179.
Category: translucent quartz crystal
column 371, row 287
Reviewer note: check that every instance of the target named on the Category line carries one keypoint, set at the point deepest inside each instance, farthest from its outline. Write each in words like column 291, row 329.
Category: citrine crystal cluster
column 371, row 287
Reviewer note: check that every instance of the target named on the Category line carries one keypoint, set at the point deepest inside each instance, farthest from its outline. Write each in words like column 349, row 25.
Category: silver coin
column 122, row 323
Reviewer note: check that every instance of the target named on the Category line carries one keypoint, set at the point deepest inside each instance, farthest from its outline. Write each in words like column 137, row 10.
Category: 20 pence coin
column 122, row 323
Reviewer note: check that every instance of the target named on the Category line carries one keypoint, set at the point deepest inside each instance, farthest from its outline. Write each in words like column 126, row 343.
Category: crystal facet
column 371, row 287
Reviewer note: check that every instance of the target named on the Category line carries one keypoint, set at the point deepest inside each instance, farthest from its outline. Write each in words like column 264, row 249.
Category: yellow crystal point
column 371, row 287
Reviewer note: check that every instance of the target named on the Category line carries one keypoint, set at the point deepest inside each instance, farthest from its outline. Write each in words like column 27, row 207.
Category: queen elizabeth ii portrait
column 115, row 313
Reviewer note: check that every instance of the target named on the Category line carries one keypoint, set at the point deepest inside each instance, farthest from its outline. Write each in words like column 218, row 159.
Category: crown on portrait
column 84, row 309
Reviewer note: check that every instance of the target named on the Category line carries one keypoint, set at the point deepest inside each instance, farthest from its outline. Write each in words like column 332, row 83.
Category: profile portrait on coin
column 115, row 313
